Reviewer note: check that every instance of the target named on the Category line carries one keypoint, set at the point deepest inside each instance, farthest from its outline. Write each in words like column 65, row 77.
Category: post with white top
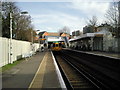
column 10, row 45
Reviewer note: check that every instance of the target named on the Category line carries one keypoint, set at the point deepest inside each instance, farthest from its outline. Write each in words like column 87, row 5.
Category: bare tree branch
column 65, row 29
column 112, row 15
column 92, row 22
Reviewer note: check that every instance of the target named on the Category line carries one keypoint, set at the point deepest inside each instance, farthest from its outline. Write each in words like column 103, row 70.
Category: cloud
column 90, row 7
column 61, row 0
column 55, row 20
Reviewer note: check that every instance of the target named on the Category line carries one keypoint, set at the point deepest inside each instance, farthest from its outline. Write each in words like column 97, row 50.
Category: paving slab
column 21, row 75
column 46, row 76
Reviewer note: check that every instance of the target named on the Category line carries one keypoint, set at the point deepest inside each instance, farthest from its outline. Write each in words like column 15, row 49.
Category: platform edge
column 58, row 73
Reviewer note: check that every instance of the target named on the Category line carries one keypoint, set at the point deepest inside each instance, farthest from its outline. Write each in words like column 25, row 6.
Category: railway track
column 73, row 78
column 82, row 73
column 104, row 69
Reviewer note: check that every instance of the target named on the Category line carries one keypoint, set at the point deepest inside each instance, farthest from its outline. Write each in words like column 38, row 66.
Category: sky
column 54, row 15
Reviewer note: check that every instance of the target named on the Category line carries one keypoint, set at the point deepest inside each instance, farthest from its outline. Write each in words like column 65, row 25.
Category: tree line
column 22, row 29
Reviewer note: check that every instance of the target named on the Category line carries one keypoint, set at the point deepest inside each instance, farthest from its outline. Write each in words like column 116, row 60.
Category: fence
column 19, row 49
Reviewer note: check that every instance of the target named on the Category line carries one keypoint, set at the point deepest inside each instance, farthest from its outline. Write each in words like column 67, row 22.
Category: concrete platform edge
column 62, row 84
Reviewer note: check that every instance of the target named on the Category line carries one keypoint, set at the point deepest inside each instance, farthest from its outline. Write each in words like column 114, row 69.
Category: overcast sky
column 52, row 16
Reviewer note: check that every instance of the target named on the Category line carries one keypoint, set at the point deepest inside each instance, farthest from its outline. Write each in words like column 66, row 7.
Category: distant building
column 88, row 29
column 41, row 34
column 73, row 33
column 47, row 38
column 76, row 33
column 50, row 36
column 66, row 38
column 42, row 37
column 65, row 35
column 101, row 39
column 105, row 26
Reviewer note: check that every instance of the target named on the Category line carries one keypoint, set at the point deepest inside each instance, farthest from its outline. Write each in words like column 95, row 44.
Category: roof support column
column 91, row 44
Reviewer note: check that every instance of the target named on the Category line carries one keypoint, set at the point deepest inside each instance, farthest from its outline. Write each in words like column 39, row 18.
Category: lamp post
column 38, row 31
column 25, row 13
column 10, row 43
column 32, row 36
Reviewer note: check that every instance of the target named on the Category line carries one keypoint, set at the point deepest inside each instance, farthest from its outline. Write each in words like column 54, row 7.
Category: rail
column 104, row 70
column 74, row 77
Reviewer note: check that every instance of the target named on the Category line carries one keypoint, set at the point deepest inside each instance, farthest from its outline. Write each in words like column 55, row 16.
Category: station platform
column 106, row 54
column 48, row 74
column 101, row 53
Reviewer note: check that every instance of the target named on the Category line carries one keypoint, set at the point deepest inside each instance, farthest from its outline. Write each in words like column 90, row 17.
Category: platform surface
column 21, row 75
column 37, row 72
column 106, row 54
column 46, row 76
column 101, row 53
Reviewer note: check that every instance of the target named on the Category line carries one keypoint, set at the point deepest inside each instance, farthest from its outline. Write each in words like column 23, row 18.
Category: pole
column 32, row 40
column 1, row 19
column 10, row 53
column 118, row 23
column 92, row 43
column 119, row 27
column 32, row 36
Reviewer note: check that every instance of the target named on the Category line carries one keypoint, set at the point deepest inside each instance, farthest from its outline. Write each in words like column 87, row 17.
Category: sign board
column 90, row 34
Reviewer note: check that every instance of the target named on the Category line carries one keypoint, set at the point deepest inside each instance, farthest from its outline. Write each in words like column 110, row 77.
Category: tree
column 112, row 16
column 21, row 24
column 30, row 35
column 0, row 19
column 7, row 8
column 92, row 22
column 65, row 29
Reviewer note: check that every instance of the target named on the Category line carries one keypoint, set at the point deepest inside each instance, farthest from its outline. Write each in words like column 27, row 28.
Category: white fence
column 20, row 49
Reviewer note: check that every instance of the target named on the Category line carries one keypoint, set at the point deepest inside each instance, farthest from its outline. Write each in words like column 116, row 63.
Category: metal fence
column 19, row 49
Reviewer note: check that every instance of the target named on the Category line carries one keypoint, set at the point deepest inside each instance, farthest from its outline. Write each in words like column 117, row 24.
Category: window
column 57, row 45
column 53, row 44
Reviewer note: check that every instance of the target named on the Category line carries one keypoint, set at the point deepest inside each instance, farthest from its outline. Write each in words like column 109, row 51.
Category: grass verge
column 9, row 66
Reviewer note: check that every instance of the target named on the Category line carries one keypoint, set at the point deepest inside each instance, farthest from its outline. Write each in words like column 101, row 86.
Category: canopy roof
column 54, row 39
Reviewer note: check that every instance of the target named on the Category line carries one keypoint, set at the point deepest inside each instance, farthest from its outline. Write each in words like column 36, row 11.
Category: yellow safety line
column 38, row 78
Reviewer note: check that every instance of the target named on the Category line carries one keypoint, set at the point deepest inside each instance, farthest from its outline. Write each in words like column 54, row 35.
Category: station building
column 47, row 38
column 102, row 39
